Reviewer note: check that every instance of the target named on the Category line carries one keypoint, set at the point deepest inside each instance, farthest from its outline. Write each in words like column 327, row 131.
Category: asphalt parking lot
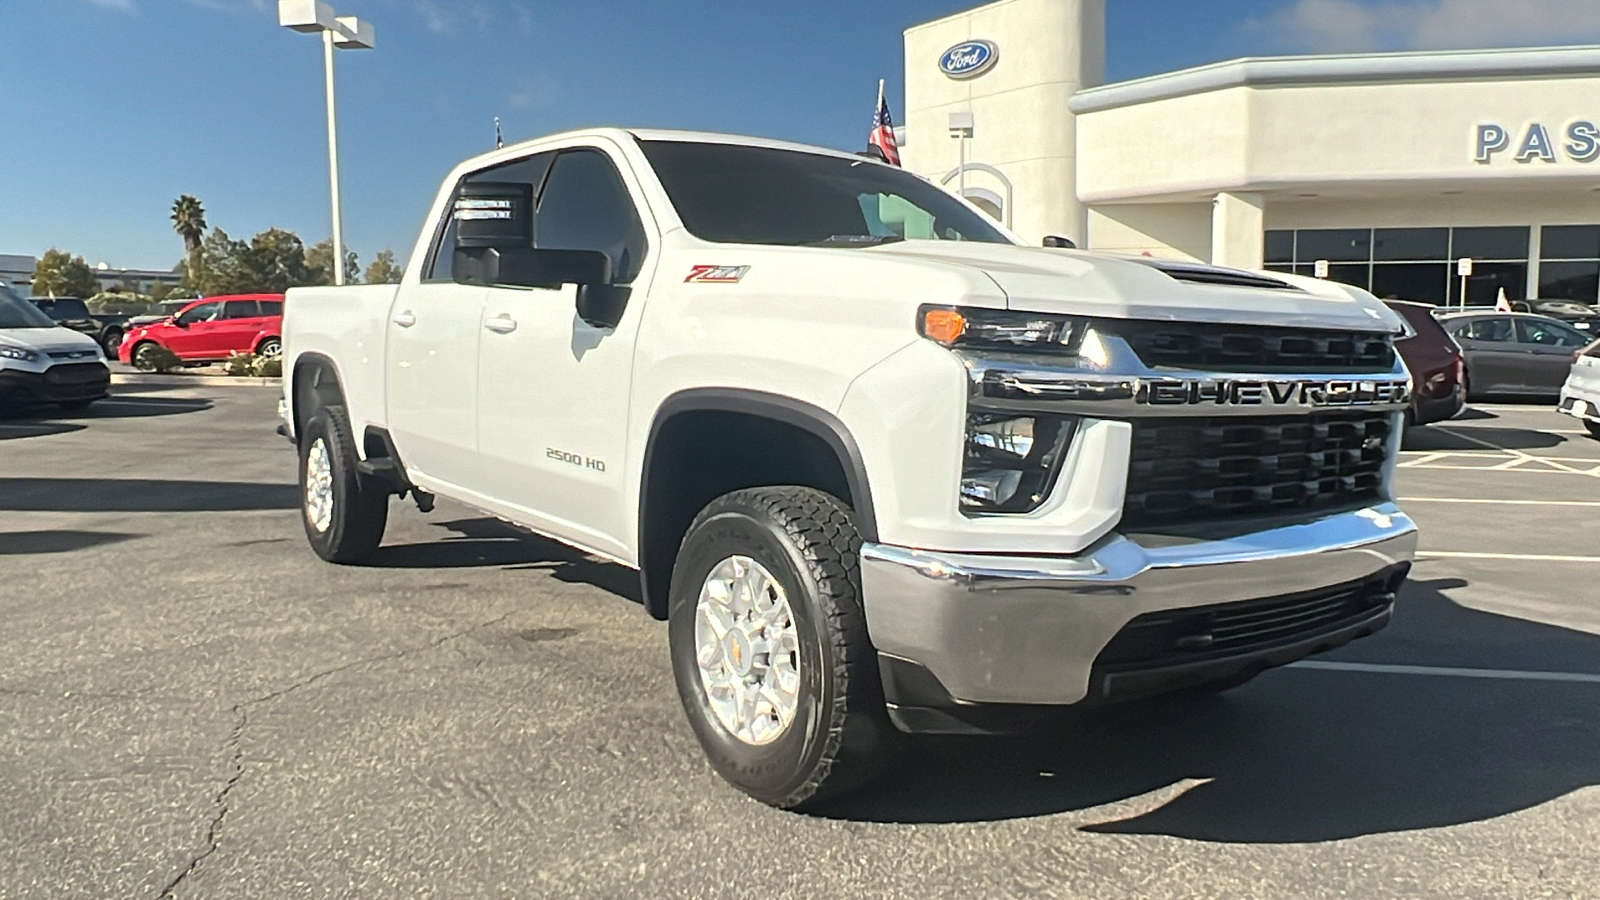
column 191, row 704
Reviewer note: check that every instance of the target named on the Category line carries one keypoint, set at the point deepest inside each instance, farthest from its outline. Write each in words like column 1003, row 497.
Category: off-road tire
column 360, row 505
column 840, row 736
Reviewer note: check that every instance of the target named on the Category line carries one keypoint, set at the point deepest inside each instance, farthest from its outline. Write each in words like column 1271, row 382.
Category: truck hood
column 1080, row 283
column 49, row 340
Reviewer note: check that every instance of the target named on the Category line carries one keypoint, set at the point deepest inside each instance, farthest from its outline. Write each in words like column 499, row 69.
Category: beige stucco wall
column 1048, row 51
column 1167, row 230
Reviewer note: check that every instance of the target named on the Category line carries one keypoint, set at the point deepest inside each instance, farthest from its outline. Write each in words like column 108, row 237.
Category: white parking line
column 1524, row 557
column 1500, row 502
column 1447, row 671
column 1526, row 457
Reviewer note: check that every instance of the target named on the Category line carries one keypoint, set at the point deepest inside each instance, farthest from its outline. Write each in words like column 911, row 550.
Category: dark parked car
column 1581, row 316
column 71, row 312
column 1514, row 353
column 1435, row 362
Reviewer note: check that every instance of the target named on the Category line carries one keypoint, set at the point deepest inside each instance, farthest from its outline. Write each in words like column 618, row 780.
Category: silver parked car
column 1514, row 353
column 1580, row 396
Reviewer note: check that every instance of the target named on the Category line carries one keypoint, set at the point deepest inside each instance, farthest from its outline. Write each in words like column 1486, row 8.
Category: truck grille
column 1198, row 469
column 1250, row 348
column 1175, row 637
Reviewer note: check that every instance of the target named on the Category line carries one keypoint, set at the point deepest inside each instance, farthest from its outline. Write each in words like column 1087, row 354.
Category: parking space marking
column 1524, row 557
column 1526, row 457
column 1500, row 502
column 1446, row 671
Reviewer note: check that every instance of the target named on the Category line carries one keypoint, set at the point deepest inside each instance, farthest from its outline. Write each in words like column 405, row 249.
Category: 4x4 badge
column 716, row 274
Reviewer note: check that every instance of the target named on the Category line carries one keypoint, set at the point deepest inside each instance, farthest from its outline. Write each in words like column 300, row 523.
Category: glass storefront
column 1569, row 263
column 1414, row 263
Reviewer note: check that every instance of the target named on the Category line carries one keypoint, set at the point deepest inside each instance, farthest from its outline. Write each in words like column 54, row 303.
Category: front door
column 1494, row 360
column 553, row 400
column 192, row 333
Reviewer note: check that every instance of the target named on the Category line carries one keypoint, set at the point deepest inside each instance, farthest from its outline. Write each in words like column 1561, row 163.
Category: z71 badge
column 716, row 274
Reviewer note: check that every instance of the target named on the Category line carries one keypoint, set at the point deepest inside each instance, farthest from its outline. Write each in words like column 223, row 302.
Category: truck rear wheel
column 770, row 650
column 344, row 514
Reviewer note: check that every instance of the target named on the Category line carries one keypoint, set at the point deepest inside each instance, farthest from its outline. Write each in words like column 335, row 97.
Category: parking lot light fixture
column 344, row 33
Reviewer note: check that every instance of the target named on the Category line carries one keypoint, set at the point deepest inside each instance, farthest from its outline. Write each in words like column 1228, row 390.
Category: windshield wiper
column 858, row 240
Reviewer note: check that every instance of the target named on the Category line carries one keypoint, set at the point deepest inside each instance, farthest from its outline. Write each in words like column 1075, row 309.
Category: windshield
column 16, row 312
column 732, row 193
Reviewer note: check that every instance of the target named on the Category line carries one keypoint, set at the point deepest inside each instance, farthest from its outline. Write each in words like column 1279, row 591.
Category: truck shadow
column 1299, row 755
column 1438, row 437
column 482, row 543
column 26, row 543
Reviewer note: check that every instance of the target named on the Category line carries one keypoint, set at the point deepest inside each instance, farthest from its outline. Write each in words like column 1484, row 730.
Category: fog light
column 1011, row 461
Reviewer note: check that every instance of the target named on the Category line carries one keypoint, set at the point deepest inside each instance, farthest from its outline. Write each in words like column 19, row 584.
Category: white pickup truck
column 882, row 469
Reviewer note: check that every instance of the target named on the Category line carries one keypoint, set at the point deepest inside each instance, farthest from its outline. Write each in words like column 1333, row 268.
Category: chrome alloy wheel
column 319, row 486
column 748, row 650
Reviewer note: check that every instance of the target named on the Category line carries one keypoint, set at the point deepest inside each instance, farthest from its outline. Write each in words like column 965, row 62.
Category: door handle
column 501, row 324
column 405, row 319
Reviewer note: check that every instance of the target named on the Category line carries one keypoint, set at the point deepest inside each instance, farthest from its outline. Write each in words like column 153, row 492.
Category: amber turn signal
column 944, row 326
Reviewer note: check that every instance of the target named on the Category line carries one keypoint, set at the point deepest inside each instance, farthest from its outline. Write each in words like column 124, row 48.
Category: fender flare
column 297, row 391
column 812, row 419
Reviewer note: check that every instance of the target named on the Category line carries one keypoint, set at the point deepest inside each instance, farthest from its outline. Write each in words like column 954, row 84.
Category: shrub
column 156, row 358
column 250, row 365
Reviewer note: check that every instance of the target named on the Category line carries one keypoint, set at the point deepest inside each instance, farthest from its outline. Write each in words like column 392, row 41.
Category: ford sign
column 969, row 59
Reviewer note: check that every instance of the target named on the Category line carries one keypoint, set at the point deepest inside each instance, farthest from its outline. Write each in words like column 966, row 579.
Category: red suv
column 210, row 329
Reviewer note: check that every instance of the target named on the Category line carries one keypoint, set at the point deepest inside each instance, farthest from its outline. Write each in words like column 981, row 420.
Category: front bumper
column 58, row 384
column 1030, row 629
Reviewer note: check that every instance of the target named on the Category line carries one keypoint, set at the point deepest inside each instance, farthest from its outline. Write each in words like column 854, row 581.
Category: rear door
column 553, row 408
column 431, row 368
column 1495, row 362
column 241, row 322
column 1548, row 347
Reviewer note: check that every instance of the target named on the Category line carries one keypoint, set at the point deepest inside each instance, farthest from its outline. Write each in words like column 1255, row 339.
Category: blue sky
column 114, row 107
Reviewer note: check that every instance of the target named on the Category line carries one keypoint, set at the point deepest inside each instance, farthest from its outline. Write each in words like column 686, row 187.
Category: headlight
column 1010, row 462
column 999, row 329
column 9, row 352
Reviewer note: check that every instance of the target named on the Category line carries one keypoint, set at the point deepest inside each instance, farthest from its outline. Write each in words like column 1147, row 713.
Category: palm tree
column 189, row 221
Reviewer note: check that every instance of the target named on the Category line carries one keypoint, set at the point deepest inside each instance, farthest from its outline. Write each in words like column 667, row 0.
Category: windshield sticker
column 716, row 274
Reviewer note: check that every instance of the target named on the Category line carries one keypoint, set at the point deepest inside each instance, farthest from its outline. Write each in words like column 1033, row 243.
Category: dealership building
column 1381, row 170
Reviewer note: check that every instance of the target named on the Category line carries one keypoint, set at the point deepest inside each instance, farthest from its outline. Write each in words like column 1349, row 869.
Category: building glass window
column 1413, row 263
column 1569, row 267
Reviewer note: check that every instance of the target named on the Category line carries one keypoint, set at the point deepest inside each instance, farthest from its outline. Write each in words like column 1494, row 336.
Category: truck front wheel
column 344, row 514
column 770, row 650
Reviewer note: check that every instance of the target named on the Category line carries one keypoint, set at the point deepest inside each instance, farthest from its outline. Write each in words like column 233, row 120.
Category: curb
column 195, row 380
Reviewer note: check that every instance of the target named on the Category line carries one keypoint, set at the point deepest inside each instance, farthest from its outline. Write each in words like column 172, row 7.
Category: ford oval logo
column 969, row 59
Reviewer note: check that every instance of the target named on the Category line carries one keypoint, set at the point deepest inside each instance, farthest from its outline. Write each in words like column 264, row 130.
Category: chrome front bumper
column 1027, row 630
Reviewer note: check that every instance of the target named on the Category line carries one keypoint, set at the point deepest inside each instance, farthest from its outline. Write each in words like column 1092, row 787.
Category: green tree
column 384, row 270
column 60, row 274
column 160, row 291
column 189, row 221
column 319, row 257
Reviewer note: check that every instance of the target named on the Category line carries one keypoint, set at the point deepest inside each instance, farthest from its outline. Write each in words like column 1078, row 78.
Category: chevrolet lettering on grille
column 1316, row 393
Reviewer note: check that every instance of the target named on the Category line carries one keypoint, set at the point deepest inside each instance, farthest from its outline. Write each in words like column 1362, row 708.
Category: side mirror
column 1055, row 240
column 178, row 322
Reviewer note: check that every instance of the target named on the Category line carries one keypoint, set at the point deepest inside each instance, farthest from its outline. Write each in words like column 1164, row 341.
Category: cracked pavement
column 192, row 705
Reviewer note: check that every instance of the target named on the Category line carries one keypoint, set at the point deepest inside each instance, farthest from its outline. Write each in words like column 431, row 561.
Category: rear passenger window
column 241, row 309
column 272, row 307
column 530, row 171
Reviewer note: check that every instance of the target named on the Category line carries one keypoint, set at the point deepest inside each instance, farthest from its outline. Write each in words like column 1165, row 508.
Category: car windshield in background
column 739, row 194
column 62, row 310
column 16, row 312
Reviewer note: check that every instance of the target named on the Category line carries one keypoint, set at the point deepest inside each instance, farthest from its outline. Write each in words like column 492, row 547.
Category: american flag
column 882, row 135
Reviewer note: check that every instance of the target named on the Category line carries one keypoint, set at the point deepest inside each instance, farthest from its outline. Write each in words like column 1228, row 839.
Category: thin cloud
column 1357, row 25
column 118, row 5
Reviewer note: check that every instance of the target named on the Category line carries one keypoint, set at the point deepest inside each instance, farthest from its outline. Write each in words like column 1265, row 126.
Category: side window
column 585, row 206
column 205, row 312
column 1549, row 334
column 241, row 309
column 1492, row 330
column 272, row 307
column 529, row 170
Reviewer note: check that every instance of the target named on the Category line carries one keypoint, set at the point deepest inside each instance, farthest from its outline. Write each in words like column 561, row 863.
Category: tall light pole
column 344, row 33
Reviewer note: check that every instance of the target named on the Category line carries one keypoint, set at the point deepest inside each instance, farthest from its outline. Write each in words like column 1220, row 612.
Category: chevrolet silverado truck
column 882, row 469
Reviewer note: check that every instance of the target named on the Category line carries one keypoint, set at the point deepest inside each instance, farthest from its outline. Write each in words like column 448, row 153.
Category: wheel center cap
column 737, row 647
